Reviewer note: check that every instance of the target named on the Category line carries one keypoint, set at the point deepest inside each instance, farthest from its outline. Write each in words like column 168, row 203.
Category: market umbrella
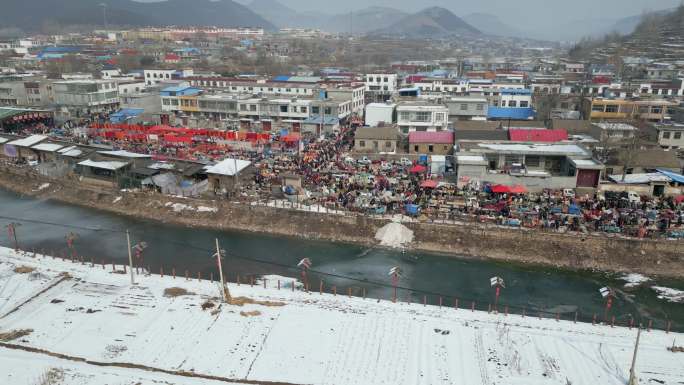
column 679, row 199
column 500, row 188
column 518, row 189
column 429, row 184
column 418, row 169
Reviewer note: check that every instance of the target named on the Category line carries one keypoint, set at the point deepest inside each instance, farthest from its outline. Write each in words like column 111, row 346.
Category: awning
column 500, row 188
column 518, row 189
column 417, row 169
column 429, row 184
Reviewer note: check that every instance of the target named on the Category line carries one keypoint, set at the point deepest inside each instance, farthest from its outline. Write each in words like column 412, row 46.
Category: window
column 385, row 79
column 431, row 148
column 612, row 108
column 243, row 107
column 423, row 116
column 283, row 108
column 252, row 107
column 362, row 143
column 532, row 161
column 328, row 111
column 166, row 102
column 656, row 110
column 510, row 159
column 303, row 109
column 666, row 134
column 404, row 115
column 597, row 108
column 677, row 135
column 388, row 144
column 524, row 104
column 439, row 117
column 315, row 110
column 464, row 107
column 415, row 148
column 480, row 107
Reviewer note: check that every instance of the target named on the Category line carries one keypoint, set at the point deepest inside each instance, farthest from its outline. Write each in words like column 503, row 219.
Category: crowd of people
column 330, row 177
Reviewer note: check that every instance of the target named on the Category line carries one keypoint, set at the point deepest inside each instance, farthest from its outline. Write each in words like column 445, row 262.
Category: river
column 100, row 235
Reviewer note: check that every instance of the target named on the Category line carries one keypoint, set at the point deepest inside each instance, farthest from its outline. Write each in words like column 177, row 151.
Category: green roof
column 8, row 112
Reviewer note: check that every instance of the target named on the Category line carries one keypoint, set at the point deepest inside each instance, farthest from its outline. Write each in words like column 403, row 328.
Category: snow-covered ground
column 98, row 315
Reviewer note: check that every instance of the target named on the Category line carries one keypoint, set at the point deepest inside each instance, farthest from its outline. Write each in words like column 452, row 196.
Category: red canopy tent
column 679, row 199
column 418, row 169
column 500, row 188
column 518, row 189
column 429, row 183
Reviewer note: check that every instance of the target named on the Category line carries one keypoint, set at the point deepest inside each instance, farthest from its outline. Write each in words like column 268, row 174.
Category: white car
column 569, row 193
column 364, row 160
column 405, row 162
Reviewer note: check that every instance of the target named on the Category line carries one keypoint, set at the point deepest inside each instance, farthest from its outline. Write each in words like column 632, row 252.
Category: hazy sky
column 511, row 10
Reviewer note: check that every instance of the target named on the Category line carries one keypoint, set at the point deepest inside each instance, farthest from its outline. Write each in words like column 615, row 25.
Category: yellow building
column 655, row 110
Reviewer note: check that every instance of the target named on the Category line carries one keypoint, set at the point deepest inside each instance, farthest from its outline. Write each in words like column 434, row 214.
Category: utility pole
column 130, row 256
column 224, row 293
column 632, row 373
column 12, row 233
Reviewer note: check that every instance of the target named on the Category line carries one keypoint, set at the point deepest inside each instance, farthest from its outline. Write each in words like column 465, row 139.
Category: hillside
column 283, row 16
column 658, row 36
column 364, row 20
column 492, row 25
column 33, row 14
column 434, row 22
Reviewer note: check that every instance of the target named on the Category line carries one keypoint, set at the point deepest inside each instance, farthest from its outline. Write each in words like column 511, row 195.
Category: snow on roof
column 616, row 126
column 640, row 178
column 470, row 159
column 106, row 165
column 124, row 154
column 162, row 166
column 28, row 141
column 71, row 151
column 3, row 140
column 537, row 148
column 589, row 164
column 47, row 147
column 228, row 167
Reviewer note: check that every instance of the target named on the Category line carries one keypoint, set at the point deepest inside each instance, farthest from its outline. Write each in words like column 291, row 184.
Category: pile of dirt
column 253, row 313
column 208, row 305
column 176, row 292
column 24, row 269
column 241, row 301
column 14, row 334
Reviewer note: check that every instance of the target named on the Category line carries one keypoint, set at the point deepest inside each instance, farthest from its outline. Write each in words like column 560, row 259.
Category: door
column 587, row 178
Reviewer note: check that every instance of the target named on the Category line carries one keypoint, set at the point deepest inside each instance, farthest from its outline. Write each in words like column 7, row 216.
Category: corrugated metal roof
column 548, row 136
column 510, row 113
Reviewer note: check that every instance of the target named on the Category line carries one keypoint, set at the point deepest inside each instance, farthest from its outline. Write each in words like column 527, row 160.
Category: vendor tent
column 418, row 169
column 429, row 184
column 500, row 188
column 518, row 189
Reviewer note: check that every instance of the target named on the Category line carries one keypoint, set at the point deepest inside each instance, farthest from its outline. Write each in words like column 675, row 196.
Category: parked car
column 406, row 162
column 364, row 160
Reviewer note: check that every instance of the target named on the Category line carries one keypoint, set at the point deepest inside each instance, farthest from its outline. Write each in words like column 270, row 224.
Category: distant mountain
column 32, row 14
column 627, row 25
column 282, row 16
column 431, row 22
column 492, row 25
column 363, row 20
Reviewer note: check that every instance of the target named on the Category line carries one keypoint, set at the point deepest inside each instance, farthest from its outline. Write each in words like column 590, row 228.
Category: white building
column 86, row 96
column 671, row 136
column 380, row 113
column 515, row 98
column 381, row 82
column 420, row 116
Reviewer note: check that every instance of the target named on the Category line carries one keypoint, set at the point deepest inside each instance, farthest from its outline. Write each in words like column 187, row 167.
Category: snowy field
column 94, row 327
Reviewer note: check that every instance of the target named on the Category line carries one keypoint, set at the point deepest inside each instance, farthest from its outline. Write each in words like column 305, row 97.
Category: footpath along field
column 87, row 325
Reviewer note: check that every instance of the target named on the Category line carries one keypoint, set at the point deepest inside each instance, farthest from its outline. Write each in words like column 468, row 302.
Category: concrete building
column 380, row 86
column 421, row 116
column 376, row 140
column 653, row 110
column 671, row 136
column 380, row 113
column 536, row 166
column 79, row 97
column 467, row 108
column 613, row 132
column 432, row 143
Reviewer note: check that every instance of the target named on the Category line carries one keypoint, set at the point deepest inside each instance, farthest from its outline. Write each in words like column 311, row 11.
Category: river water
column 100, row 235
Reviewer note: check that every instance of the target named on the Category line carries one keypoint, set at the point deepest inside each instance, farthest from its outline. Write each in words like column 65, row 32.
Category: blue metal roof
column 679, row 178
column 281, row 78
column 180, row 91
column 515, row 91
column 316, row 119
column 510, row 113
column 124, row 114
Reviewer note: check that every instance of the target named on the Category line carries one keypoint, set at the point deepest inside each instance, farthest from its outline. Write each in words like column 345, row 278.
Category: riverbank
column 89, row 324
column 607, row 253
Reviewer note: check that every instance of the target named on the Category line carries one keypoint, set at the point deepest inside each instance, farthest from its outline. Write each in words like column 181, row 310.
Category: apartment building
column 81, row 97
column 467, row 108
column 652, row 110
column 671, row 136
column 421, row 116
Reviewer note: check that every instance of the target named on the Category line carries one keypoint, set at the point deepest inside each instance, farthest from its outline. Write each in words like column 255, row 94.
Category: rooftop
column 431, row 137
column 536, row 148
column 228, row 167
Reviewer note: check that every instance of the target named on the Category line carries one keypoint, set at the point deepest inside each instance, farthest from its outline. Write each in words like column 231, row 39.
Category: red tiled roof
column 431, row 137
column 557, row 135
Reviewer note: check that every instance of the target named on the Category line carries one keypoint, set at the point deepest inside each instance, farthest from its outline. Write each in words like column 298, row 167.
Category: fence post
column 506, row 311
column 523, row 313
column 113, row 266
column 575, row 317
column 489, row 308
column 103, row 264
column 593, row 319
column 293, row 285
column 349, row 292
column 211, row 276
column 455, row 303
column 320, row 287
column 278, row 284
column 264, row 283
column 161, row 271
column 199, row 275
column 251, row 281
column 124, row 266
column 186, row 274
column 650, row 324
column 612, row 322
column 335, row 290
column 669, row 324
column 440, row 301
column 472, row 307
column 557, row 316
column 173, row 270
column 238, row 279
column 364, row 293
